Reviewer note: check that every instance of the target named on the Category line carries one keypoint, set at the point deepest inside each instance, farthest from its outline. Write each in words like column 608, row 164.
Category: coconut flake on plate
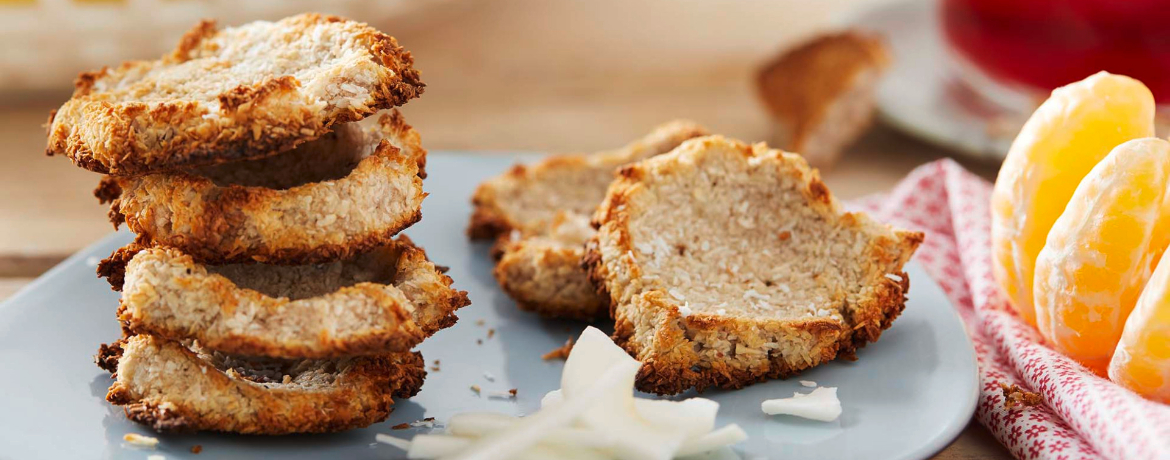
column 137, row 440
column 821, row 405
column 593, row 416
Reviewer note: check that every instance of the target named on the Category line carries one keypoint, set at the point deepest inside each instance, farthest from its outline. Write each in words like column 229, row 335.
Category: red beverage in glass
column 1043, row 44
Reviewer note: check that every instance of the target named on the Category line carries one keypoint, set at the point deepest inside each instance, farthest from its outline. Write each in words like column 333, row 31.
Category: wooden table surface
column 517, row 75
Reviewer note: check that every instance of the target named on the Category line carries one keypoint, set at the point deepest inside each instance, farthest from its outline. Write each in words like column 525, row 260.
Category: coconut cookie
column 237, row 93
column 345, row 193
column 387, row 300
column 175, row 388
column 539, row 215
column 727, row 264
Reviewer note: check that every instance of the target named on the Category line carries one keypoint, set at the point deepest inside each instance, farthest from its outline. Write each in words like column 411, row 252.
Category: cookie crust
column 238, row 93
column 728, row 264
column 175, row 388
column 544, row 276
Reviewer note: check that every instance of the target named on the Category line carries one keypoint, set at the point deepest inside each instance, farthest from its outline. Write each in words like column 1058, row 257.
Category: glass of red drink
column 1029, row 47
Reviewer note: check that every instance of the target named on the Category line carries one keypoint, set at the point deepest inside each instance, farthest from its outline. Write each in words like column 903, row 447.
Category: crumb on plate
column 561, row 352
column 1014, row 396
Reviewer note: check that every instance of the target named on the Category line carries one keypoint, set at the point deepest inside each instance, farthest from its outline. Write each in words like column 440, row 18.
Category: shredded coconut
column 391, row 440
column 510, row 394
column 138, row 440
column 428, row 422
column 752, row 294
column 821, row 405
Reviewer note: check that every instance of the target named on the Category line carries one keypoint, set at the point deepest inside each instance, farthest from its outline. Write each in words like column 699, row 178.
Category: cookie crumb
column 476, row 389
column 196, row 449
column 561, row 352
column 491, row 332
column 479, row 341
column 479, row 322
column 1014, row 396
column 510, row 394
column 400, row 426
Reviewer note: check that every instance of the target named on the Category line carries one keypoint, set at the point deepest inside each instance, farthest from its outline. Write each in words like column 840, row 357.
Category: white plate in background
column 920, row 94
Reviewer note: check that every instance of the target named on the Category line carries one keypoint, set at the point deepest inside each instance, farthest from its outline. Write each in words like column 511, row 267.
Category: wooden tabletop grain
column 514, row 75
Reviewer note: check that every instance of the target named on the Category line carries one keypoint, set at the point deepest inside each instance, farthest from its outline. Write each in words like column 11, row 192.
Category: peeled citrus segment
column 1073, row 130
column 1142, row 359
column 1102, row 250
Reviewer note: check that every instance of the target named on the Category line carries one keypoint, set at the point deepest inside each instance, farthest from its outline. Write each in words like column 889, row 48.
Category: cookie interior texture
column 331, row 157
column 312, row 280
column 747, row 244
column 272, row 372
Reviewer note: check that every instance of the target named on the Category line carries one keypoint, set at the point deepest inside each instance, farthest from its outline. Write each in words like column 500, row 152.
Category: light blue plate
column 907, row 396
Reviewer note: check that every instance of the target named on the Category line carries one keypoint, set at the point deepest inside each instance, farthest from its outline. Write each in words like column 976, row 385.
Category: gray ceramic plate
column 906, row 397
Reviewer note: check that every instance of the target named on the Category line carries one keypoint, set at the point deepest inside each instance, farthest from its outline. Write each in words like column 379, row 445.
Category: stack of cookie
column 266, row 291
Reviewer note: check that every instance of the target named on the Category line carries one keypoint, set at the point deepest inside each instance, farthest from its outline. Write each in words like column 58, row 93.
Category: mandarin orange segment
column 1070, row 132
column 1142, row 359
column 1101, row 251
column 1059, row 144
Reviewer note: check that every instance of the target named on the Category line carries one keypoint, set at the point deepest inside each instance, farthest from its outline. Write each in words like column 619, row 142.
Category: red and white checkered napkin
column 1084, row 416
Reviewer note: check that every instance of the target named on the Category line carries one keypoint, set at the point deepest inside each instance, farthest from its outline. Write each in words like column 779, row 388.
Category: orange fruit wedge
column 1102, row 250
column 1066, row 136
column 1141, row 361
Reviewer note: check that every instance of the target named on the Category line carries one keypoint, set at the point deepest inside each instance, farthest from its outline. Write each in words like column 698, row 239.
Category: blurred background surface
column 501, row 75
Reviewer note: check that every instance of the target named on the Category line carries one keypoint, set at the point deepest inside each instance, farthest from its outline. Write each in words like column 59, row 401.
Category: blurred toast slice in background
column 821, row 93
